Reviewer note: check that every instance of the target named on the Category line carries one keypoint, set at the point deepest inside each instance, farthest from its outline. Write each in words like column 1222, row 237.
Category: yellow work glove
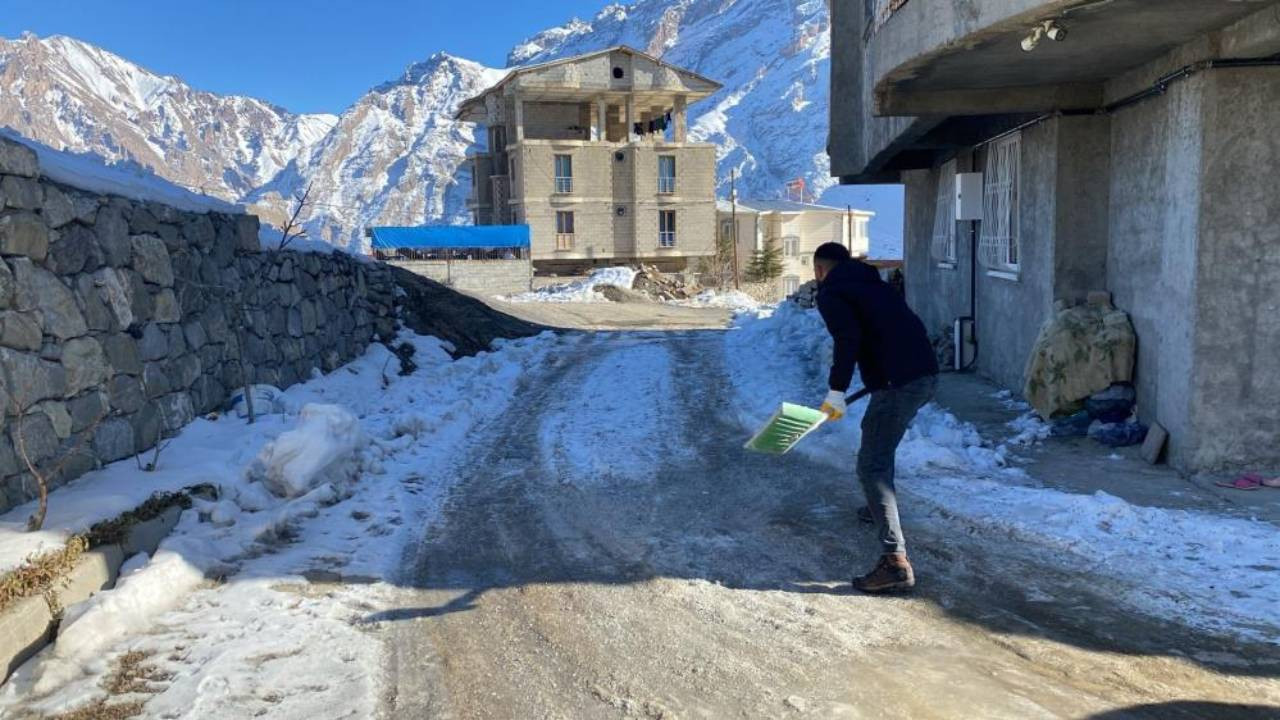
column 834, row 406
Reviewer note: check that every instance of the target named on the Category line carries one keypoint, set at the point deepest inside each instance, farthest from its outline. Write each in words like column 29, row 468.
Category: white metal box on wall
column 968, row 196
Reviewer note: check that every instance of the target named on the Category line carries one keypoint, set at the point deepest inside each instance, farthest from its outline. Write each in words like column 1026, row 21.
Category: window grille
column 666, row 173
column 944, row 215
column 998, row 246
column 564, row 173
column 667, row 228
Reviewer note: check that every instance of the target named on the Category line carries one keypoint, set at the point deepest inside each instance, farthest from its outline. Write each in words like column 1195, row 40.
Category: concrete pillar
column 519, row 119
column 601, row 130
column 681, row 117
column 631, row 119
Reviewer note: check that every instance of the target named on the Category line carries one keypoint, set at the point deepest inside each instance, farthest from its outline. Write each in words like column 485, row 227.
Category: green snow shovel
column 790, row 424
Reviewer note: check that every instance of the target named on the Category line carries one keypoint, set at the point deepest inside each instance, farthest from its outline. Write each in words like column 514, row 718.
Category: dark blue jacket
column 872, row 328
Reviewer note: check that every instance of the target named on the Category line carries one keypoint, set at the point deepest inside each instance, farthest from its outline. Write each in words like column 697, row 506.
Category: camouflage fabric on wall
column 1080, row 351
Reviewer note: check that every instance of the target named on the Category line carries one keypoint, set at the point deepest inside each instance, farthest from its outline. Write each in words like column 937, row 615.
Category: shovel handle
column 857, row 396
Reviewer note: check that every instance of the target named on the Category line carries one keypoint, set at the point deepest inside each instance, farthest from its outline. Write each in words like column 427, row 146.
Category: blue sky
column 306, row 55
column 321, row 55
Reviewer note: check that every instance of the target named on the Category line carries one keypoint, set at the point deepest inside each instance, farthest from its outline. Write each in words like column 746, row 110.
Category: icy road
column 610, row 551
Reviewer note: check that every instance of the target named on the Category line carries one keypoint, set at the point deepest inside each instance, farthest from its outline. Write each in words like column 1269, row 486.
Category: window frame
column 667, row 229
column 1000, row 243
column 791, row 246
column 565, row 230
column 667, row 183
column 943, row 245
column 564, row 182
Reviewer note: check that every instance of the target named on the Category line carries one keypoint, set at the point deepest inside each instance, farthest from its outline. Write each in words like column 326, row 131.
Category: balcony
column 564, row 242
column 564, row 185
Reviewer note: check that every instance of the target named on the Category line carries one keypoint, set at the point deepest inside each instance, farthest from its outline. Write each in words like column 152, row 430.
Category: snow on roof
column 92, row 173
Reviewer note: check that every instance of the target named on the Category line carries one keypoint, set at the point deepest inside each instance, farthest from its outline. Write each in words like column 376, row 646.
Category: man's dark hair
column 831, row 254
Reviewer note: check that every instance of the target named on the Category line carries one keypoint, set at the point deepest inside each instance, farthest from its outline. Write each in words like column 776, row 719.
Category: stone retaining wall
column 122, row 320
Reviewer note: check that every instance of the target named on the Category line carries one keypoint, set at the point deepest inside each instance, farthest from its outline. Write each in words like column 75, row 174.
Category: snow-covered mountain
column 74, row 96
column 396, row 155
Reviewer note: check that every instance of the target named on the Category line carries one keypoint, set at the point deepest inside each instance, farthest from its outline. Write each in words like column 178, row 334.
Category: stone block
column 95, row 571
column 59, row 417
column 165, row 213
column 21, row 193
column 1153, row 446
column 154, row 344
column 294, row 322
column 85, row 364
column 30, row 379
column 126, row 394
column 89, row 408
column 7, row 285
column 145, row 537
column 20, row 331
column 177, row 342
column 9, row 462
column 146, row 427
column 151, row 259
column 141, row 301
column 33, row 438
column 167, row 310
column 122, row 353
column 17, row 159
column 59, row 209
column 112, row 231
column 74, row 249
column 185, row 370
column 25, row 626
column 114, row 440
column 97, row 315
column 155, row 380
column 247, row 233
column 115, row 290
column 176, row 410
column 171, row 236
column 142, row 222
column 39, row 289
column 199, row 232
column 24, row 234
column 195, row 335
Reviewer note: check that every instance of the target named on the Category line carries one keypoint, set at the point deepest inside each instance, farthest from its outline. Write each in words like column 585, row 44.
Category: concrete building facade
column 1135, row 153
column 592, row 152
column 797, row 229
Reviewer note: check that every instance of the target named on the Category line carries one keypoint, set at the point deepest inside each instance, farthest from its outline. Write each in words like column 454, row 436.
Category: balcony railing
column 666, row 239
column 564, row 185
column 564, row 241
column 666, row 185
column 879, row 12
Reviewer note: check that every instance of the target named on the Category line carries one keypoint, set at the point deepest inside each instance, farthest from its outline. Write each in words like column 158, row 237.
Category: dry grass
column 39, row 572
column 37, row 575
column 131, row 676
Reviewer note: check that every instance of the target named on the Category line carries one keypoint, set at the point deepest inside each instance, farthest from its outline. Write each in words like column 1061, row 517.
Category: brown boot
column 892, row 574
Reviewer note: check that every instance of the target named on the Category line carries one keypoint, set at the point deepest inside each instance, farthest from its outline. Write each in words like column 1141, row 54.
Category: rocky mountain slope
column 396, row 155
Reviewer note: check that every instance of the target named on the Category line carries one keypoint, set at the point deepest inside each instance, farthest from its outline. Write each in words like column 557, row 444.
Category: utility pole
column 733, row 214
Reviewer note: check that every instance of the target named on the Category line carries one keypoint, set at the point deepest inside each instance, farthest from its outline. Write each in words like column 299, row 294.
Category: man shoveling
column 874, row 329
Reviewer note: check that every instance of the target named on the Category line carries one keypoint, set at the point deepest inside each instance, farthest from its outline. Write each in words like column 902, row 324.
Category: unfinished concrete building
column 592, row 152
column 1122, row 145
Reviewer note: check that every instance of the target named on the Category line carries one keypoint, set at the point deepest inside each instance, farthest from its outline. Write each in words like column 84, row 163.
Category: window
column 790, row 284
column 999, row 242
column 726, row 230
column 944, row 216
column 791, row 246
column 666, row 173
column 564, row 230
column 667, row 228
column 564, row 173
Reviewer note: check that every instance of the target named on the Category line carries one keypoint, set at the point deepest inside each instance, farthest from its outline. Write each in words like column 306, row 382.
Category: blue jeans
column 890, row 412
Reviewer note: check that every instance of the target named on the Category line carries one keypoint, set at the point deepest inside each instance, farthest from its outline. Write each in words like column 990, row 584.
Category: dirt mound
column 661, row 286
column 429, row 308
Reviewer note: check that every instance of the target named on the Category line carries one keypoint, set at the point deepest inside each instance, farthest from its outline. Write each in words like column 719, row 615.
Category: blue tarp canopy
column 452, row 237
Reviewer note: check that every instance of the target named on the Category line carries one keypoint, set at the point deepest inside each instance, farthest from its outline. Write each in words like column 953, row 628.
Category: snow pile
column 401, row 433
column 735, row 300
column 1207, row 570
column 581, row 291
column 91, row 173
column 320, row 449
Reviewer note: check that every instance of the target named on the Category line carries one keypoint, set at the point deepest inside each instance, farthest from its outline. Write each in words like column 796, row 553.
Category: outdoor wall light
column 1049, row 29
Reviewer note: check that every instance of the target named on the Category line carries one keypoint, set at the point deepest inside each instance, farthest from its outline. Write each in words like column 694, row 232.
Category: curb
column 31, row 623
